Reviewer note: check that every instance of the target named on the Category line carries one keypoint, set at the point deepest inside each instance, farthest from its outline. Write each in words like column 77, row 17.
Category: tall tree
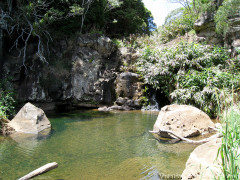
column 131, row 17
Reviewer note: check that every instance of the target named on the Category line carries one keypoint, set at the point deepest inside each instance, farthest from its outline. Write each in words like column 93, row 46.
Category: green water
column 94, row 145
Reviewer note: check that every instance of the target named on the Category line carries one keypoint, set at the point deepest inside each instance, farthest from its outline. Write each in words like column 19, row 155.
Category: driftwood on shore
column 186, row 139
column 40, row 170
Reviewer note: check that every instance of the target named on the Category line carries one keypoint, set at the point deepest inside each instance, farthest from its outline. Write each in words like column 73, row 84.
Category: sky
column 160, row 9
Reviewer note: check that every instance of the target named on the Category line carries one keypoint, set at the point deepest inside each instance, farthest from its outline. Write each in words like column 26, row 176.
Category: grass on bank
column 230, row 148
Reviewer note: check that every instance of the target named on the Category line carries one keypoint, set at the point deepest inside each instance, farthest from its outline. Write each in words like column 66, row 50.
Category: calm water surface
column 93, row 145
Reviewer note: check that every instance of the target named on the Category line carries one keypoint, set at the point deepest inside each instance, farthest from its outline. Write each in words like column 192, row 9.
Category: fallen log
column 40, row 170
column 186, row 139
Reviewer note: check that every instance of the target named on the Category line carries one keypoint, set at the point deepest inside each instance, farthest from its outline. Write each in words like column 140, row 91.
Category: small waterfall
column 153, row 106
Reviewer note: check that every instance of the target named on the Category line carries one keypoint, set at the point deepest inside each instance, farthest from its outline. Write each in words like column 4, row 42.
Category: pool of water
column 94, row 145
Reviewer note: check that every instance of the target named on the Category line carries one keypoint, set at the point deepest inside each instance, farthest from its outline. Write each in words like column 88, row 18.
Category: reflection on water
column 28, row 142
column 94, row 145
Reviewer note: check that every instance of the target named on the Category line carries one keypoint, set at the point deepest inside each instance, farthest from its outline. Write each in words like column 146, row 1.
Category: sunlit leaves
column 7, row 102
column 76, row 9
column 191, row 73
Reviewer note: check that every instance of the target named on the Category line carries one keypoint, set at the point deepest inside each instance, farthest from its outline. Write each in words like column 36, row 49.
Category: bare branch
column 86, row 5
column 186, row 139
column 26, row 41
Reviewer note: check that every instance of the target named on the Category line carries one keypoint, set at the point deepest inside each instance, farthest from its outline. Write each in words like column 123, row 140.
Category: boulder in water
column 183, row 120
column 30, row 119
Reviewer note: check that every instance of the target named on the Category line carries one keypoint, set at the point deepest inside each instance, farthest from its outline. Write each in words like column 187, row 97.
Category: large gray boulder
column 203, row 162
column 183, row 120
column 30, row 119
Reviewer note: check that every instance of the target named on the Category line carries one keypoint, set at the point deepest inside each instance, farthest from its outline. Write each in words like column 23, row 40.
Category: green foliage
column 191, row 73
column 228, row 8
column 144, row 99
column 180, row 21
column 118, row 42
column 129, row 17
column 205, row 88
column 42, row 21
column 173, row 30
column 112, row 17
column 229, row 150
column 7, row 102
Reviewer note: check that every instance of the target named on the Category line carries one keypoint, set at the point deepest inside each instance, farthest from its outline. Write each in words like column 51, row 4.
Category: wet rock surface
column 82, row 71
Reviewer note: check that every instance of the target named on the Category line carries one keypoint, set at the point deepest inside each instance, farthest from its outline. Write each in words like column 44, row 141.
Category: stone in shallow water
column 30, row 119
column 183, row 120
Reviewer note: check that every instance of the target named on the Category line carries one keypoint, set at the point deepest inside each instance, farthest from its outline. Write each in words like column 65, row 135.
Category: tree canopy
column 121, row 17
column 26, row 20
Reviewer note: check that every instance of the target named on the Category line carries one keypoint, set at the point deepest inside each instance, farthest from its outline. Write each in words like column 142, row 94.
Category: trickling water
column 153, row 106
column 94, row 145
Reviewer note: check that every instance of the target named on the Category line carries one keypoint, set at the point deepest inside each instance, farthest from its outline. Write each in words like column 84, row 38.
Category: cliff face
column 233, row 35
column 205, row 29
column 80, row 72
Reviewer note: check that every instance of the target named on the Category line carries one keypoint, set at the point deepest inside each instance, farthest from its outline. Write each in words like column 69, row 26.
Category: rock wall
column 205, row 30
column 232, row 40
column 80, row 72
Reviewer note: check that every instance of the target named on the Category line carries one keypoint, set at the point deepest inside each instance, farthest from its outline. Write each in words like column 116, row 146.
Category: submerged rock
column 29, row 119
column 116, row 108
column 104, row 109
column 183, row 120
column 203, row 162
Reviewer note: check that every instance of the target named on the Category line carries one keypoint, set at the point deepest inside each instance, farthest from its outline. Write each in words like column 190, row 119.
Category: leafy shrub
column 171, row 31
column 7, row 102
column 206, row 89
column 177, row 23
column 190, row 73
